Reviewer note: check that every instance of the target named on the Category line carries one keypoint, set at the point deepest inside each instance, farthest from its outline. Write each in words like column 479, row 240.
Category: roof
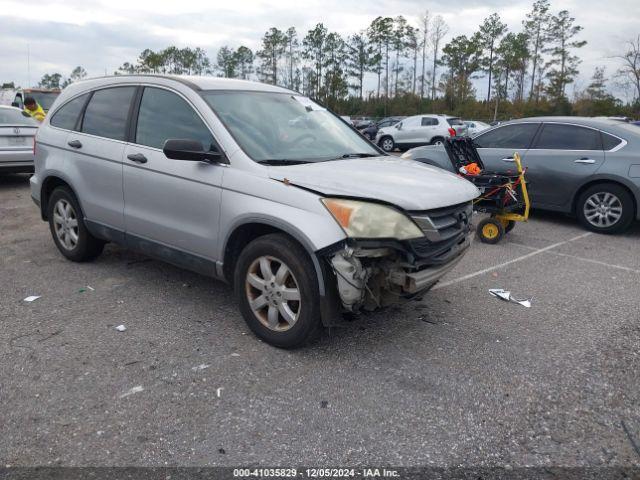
column 196, row 82
column 587, row 121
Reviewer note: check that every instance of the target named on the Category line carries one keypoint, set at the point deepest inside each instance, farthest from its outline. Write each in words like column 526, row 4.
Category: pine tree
column 535, row 27
column 490, row 32
column 563, row 64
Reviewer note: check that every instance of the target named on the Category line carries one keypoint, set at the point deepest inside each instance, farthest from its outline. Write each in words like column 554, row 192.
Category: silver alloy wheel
column 273, row 297
column 438, row 142
column 602, row 209
column 387, row 144
column 65, row 223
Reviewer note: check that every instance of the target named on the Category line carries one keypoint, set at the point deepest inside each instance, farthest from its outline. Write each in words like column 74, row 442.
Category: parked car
column 44, row 96
column 583, row 166
column 475, row 127
column 306, row 219
column 419, row 130
column 372, row 130
column 17, row 130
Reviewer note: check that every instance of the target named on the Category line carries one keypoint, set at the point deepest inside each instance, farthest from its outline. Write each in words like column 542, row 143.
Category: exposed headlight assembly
column 371, row 220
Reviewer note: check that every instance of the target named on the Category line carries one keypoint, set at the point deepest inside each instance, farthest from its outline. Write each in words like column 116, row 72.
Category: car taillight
column 452, row 132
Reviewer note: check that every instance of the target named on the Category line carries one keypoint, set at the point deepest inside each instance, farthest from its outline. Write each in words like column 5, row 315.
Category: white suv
column 420, row 130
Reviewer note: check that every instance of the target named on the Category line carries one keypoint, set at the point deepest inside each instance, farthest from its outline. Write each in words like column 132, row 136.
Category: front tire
column 387, row 144
column 605, row 208
column 277, row 290
column 68, row 229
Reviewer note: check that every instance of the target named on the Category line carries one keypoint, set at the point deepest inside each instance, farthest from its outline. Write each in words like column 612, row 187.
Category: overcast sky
column 102, row 34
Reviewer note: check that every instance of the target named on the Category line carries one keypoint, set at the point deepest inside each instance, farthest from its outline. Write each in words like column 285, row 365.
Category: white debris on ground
column 131, row 391
column 505, row 295
column 121, row 328
column 202, row 366
column 31, row 298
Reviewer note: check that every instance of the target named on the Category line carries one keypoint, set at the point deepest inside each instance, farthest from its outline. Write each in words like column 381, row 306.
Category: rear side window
column 164, row 115
column 67, row 116
column 609, row 142
column 107, row 112
column 428, row 121
column 516, row 135
column 568, row 137
column 454, row 121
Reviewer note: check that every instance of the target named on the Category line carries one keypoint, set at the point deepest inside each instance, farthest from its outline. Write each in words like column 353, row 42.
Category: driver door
column 170, row 203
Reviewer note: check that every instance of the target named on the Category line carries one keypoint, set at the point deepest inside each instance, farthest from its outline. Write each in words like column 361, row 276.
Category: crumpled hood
column 407, row 184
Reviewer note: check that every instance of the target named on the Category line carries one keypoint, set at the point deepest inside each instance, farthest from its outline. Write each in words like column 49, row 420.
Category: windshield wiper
column 358, row 155
column 281, row 161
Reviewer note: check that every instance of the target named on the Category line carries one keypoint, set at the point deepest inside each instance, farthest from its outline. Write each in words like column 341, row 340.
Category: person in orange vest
column 34, row 109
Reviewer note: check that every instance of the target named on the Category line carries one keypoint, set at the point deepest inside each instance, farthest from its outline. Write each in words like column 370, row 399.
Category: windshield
column 285, row 127
column 45, row 99
column 11, row 116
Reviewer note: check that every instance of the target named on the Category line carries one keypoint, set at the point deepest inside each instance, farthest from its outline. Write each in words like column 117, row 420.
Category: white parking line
column 588, row 260
column 504, row 264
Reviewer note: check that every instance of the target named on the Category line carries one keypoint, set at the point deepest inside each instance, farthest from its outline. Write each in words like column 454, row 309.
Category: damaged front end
column 370, row 274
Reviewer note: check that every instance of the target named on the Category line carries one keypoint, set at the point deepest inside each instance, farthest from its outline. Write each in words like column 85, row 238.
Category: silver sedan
column 588, row 167
column 17, row 130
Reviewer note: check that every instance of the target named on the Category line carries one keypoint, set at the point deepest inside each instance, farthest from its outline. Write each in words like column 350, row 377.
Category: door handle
column 75, row 144
column 585, row 160
column 137, row 157
column 508, row 159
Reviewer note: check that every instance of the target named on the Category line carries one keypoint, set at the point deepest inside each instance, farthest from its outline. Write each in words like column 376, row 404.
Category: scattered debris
column 219, row 391
column 505, row 295
column 131, row 391
column 235, row 354
column 324, row 404
column 202, row 366
column 84, row 289
column 222, row 451
column 31, row 298
column 121, row 328
column 100, row 433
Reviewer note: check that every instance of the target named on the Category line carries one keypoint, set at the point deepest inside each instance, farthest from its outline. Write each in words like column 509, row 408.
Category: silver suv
column 420, row 130
column 252, row 184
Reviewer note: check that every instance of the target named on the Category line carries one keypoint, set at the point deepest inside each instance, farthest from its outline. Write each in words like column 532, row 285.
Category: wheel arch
column 248, row 229
column 49, row 184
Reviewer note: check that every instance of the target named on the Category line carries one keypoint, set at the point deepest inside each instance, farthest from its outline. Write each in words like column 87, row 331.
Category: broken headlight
column 371, row 220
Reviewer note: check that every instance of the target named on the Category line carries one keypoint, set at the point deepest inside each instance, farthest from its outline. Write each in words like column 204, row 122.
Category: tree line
column 412, row 68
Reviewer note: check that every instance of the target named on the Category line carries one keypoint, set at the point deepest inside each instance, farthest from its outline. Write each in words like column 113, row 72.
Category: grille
column 445, row 232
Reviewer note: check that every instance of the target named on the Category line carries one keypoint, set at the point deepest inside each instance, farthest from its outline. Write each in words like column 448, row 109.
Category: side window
column 107, row 112
column 609, row 142
column 411, row 122
column 165, row 115
column 67, row 116
column 516, row 135
column 428, row 121
column 568, row 137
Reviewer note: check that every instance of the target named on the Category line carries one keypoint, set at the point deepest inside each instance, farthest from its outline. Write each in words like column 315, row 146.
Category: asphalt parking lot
column 458, row 378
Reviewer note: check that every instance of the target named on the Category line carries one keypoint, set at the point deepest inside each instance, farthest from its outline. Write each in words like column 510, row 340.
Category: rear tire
column 276, row 287
column 437, row 141
column 605, row 208
column 69, row 232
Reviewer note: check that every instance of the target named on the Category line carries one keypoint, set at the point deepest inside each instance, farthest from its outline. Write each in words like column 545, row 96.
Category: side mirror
column 191, row 150
column 399, row 126
column 15, row 104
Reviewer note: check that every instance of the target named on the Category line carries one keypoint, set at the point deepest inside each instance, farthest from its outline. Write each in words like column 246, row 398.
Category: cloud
column 102, row 34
